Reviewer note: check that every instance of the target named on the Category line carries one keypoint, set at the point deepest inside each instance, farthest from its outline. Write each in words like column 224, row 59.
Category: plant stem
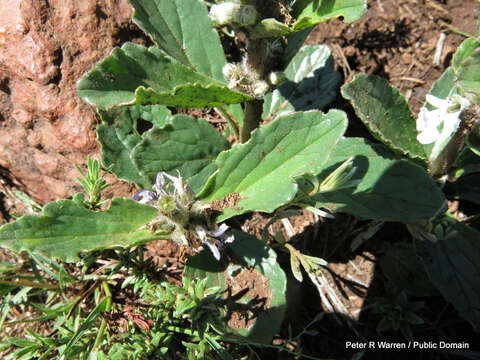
column 255, row 64
column 31, row 284
column 108, row 308
column 251, row 119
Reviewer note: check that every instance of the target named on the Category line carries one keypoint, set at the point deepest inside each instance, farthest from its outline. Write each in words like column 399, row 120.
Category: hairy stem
column 255, row 64
column 251, row 119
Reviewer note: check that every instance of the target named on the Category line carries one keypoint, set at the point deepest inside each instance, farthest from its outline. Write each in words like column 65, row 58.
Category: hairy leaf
column 269, row 28
column 452, row 264
column 258, row 258
column 385, row 112
column 466, row 66
column 308, row 12
column 466, row 187
column 119, row 134
column 185, row 144
column 405, row 269
column 390, row 189
column 135, row 74
column 262, row 171
column 66, row 228
column 294, row 43
column 312, row 83
column 184, row 31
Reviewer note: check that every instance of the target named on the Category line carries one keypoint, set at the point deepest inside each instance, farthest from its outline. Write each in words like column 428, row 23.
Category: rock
column 45, row 48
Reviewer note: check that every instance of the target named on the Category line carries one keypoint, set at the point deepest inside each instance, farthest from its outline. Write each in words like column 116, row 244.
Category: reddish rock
column 45, row 48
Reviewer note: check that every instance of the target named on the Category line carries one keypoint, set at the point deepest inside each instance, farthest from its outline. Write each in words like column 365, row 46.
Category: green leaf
column 185, row 144
column 294, row 43
column 295, row 267
column 184, row 31
column 88, row 324
column 466, row 66
column 390, row 189
column 312, row 83
column 466, row 187
column 119, row 134
column 270, row 28
column 454, row 267
column 312, row 12
column 444, row 86
column 8, row 266
column 251, row 253
column 135, row 74
column 467, row 162
column 386, row 114
column 262, row 171
column 405, row 270
column 66, row 228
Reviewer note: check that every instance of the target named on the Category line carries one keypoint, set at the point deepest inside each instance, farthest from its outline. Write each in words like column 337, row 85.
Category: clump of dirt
column 227, row 201
column 45, row 48
column 252, row 285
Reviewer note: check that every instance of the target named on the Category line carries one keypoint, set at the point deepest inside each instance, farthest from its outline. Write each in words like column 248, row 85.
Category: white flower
column 440, row 123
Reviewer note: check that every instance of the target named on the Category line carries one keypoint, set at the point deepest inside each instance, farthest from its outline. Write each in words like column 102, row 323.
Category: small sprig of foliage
column 93, row 183
column 397, row 313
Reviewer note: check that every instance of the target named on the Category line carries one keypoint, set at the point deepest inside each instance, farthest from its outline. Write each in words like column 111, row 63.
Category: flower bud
column 230, row 70
column 340, row 178
column 224, row 13
column 260, row 88
column 231, row 12
column 276, row 78
column 247, row 15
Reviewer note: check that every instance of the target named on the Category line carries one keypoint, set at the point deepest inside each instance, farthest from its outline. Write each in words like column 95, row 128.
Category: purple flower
column 181, row 190
column 215, row 240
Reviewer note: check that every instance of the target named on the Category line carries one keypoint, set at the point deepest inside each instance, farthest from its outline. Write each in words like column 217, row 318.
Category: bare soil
column 252, row 285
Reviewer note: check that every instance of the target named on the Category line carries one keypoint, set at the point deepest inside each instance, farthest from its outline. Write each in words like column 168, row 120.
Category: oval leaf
column 66, row 228
column 118, row 135
column 386, row 113
column 312, row 12
column 390, row 189
column 185, row 144
column 135, row 74
column 170, row 25
column 466, row 66
column 452, row 264
column 262, row 171
column 312, row 83
column 405, row 270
